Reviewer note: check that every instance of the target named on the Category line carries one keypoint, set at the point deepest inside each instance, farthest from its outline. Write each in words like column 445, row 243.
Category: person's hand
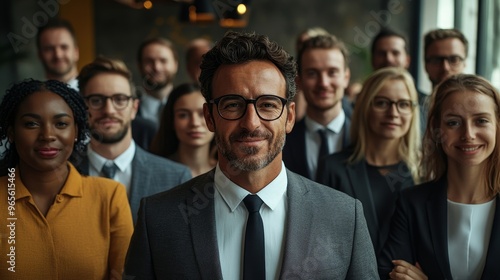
column 403, row 270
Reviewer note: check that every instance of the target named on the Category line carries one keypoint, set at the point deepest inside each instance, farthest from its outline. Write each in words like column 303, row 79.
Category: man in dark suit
column 323, row 76
column 106, row 86
column 200, row 229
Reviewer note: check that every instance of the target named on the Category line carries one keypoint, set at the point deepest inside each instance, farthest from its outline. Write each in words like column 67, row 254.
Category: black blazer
column 295, row 150
column 419, row 234
column 352, row 179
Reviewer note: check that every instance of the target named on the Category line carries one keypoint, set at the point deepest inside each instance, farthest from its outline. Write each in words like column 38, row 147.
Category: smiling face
column 44, row 132
column 323, row 78
column 58, row 52
column 249, row 143
column 158, row 65
column 108, row 124
column 390, row 124
column 189, row 122
column 468, row 128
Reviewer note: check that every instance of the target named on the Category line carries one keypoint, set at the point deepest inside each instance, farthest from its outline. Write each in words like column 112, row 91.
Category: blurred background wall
column 115, row 29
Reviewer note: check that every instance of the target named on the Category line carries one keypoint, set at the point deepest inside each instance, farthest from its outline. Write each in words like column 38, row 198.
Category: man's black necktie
column 323, row 147
column 254, row 260
column 109, row 170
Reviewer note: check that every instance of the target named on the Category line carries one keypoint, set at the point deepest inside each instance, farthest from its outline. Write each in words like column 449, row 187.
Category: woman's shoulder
column 424, row 190
column 340, row 157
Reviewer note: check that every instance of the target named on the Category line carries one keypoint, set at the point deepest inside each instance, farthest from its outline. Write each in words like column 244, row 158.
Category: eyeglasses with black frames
column 453, row 60
column 234, row 107
column 404, row 107
column 98, row 101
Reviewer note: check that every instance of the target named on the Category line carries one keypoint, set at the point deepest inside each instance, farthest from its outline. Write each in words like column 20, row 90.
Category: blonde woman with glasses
column 383, row 157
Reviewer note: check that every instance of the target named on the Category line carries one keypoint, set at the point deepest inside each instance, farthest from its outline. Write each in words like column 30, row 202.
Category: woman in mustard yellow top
column 54, row 222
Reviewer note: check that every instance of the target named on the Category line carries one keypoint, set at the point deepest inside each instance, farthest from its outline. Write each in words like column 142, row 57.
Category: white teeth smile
column 470, row 149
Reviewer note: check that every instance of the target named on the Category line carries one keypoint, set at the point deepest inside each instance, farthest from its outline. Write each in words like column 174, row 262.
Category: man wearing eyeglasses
column 445, row 51
column 250, row 218
column 323, row 76
column 108, row 91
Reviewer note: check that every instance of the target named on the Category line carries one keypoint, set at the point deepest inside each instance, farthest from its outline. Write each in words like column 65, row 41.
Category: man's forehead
column 392, row 41
column 447, row 44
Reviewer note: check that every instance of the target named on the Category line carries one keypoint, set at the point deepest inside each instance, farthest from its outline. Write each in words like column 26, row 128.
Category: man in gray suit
column 294, row 228
column 106, row 86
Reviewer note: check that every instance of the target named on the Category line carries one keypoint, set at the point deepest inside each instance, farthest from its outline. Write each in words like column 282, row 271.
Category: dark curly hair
column 18, row 93
column 238, row 48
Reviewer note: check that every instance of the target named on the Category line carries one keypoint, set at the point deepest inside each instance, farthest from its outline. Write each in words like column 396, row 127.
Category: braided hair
column 18, row 93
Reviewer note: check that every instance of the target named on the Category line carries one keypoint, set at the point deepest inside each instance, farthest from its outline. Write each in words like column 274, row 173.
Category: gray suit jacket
column 151, row 174
column 326, row 234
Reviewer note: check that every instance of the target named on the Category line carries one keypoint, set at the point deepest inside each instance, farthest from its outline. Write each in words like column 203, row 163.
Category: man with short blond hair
column 323, row 76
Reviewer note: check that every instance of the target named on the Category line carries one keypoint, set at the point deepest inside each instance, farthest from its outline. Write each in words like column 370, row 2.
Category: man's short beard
column 55, row 72
column 117, row 137
column 245, row 164
column 150, row 85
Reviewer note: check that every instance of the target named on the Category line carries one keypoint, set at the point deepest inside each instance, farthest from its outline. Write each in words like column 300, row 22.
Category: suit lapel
column 202, row 225
column 491, row 267
column 437, row 215
column 346, row 139
column 297, row 228
column 300, row 148
column 361, row 189
column 139, row 176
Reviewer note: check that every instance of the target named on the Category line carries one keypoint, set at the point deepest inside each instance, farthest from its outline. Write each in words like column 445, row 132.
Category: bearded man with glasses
column 250, row 217
column 445, row 51
column 106, row 86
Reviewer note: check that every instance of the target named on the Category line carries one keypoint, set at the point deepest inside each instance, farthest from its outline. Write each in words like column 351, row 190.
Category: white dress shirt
column 73, row 83
column 231, row 216
column 334, row 134
column 123, row 162
column 469, row 230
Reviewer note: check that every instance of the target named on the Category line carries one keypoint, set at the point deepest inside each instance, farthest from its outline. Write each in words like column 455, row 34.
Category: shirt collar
column 72, row 186
column 123, row 161
column 150, row 101
column 335, row 125
column 233, row 194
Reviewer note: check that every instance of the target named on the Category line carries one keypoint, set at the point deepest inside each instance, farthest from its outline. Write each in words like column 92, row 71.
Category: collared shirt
column 151, row 107
column 123, row 162
column 73, row 83
column 231, row 216
column 334, row 133
column 84, row 235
